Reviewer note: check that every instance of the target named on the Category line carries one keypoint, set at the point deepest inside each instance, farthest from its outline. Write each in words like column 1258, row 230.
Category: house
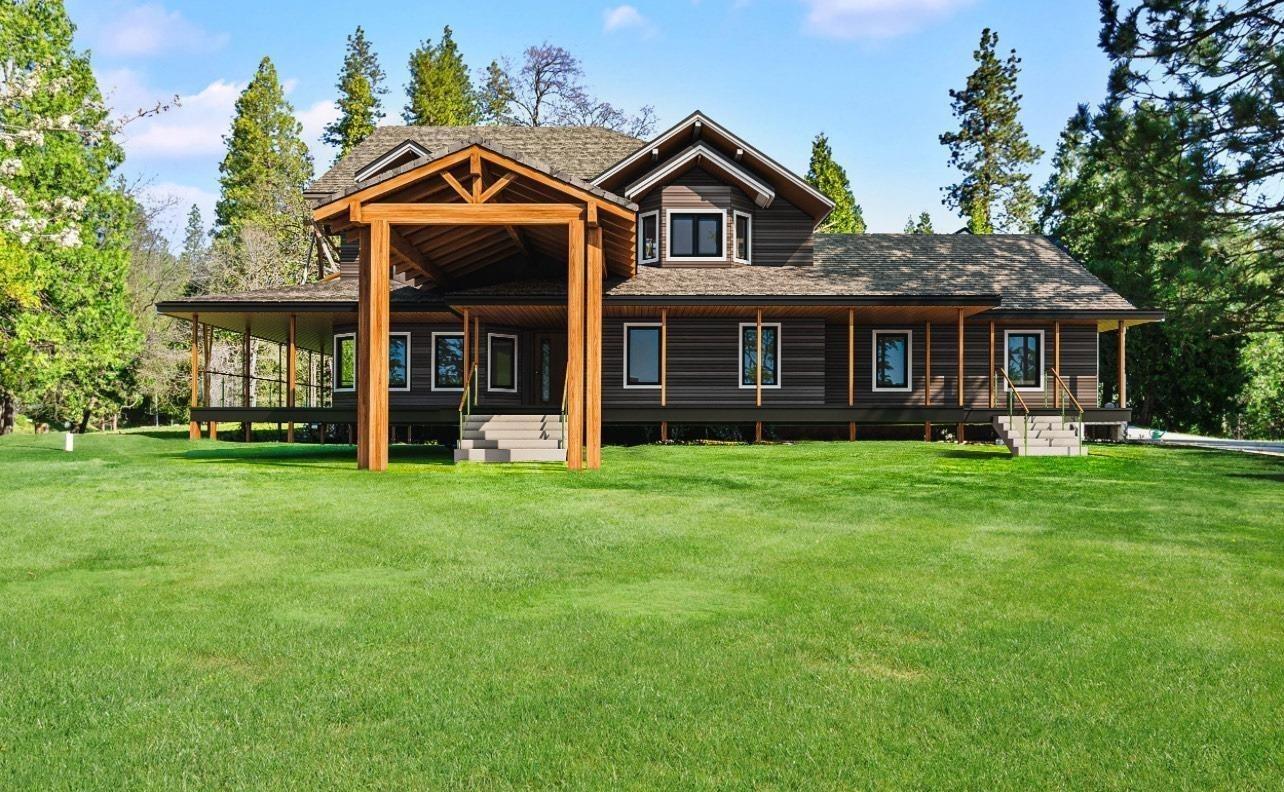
column 526, row 286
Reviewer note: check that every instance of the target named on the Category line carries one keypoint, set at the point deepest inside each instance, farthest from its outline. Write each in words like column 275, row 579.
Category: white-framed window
column 642, row 355
column 344, row 376
column 448, row 361
column 892, row 368
column 501, row 362
column 770, row 354
column 741, row 236
column 345, row 362
column 649, row 237
column 1023, row 359
column 696, row 234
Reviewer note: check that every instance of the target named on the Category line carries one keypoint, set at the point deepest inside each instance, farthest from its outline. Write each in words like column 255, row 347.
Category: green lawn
column 809, row 616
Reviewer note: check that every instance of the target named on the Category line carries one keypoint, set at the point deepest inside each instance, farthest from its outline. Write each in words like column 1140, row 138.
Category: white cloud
column 873, row 19
column 193, row 129
column 314, row 119
column 626, row 17
column 149, row 29
column 176, row 200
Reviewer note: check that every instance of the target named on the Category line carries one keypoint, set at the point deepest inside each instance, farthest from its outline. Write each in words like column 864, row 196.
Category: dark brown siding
column 703, row 365
column 782, row 236
column 421, row 393
column 1078, row 364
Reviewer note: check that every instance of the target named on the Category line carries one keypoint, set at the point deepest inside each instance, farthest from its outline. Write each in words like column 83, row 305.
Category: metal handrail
column 1012, row 392
column 467, row 399
column 1057, row 381
column 566, row 392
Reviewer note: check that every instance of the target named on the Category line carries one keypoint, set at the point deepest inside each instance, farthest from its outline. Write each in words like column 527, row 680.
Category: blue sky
column 873, row 74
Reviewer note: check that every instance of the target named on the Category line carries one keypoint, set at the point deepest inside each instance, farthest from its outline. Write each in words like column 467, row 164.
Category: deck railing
column 1014, row 398
column 566, row 392
column 227, row 389
column 467, row 399
column 1059, row 384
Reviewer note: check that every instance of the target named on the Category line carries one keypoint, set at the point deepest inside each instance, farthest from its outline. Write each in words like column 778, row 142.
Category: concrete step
column 1047, row 434
column 483, row 442
column 549, row 426
column 510, row 455
column 1059, row 451
column 513, row 417
column 512, row 434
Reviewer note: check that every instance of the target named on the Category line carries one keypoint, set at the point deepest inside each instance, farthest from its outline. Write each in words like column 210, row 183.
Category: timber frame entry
column 497, row 192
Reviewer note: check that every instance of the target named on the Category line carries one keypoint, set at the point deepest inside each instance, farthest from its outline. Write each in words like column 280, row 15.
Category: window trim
column 396, row 152
column 1043, row 358
column 334, row 368
column 696, row 210
column 406, row 389
column 490, row 357
column 740, row 356
column 434, row 384
column 735, row 237
column 658, row 248
column 909, row 360
column 625, row 373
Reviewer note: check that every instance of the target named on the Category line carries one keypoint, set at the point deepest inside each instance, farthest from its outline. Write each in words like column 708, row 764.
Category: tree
column 990, row 147
column 440, row 92
column 65, row 330
column 922, row 225
column 266, row 167
column 1156, row 247
column 360, row 86
column 1213, row 70
column 1264, row 391
column 195, row 255
column 549, row 90
column 826, row 175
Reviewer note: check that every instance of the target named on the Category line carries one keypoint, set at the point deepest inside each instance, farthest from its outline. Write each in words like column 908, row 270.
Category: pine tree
column 921, row 225
column 66, row 333
column 829, row 177
column 991, row 148
column 267, row 164
column 195, row 256
column 440, row 91
column 360, row 88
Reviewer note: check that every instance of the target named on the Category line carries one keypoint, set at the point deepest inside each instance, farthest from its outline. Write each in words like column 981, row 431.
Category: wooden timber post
column 959, row 429
column 207, row 384
column 757, row 367
column 593, row 348
column 372, row 348
column 468, row 347
column 193, row 427
column 1123, row 368
column 247, row 427
column 575, row 345
column 291, row 374
column 664, row 361
column 927, row 379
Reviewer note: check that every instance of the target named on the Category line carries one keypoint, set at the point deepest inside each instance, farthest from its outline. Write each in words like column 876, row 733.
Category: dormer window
column 393, row 158
column 649, row 238
column 696, row 235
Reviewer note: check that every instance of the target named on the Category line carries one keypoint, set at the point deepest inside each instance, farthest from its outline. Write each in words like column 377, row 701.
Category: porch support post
column 206, row 385
column 958, row 435
column 851, row 368
column 291, row 375
column 247, row 428
column 757, row 364
column 372, row 349
column 927, row 379
column 593, row 348
column 991, row 374
column 194, row 428
column 468, row 348
column 1123, row 367
column 575, row 345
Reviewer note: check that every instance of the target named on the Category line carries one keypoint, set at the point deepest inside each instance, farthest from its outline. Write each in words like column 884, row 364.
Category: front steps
column 511, row 438
column 1044, row 435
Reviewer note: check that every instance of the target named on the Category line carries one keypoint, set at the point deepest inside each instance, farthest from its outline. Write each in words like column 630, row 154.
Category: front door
column 549, row 370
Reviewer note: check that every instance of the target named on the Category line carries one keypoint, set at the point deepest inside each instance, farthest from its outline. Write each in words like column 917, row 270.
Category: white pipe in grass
column 69, row 443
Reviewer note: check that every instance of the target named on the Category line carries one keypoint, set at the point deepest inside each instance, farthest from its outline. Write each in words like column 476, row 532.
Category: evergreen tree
column 195, row 252
column 66, row 334
column 990, row 147
column 360, row 86
column 921, row 225
column 266, row 167
column 440, row 92
column 826, row 175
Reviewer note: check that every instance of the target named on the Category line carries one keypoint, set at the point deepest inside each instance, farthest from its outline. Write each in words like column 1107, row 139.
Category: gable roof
column 581, row 152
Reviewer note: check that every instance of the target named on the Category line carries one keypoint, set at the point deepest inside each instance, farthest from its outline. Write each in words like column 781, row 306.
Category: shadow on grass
column 1260, row 476
column 330, row 456
column 984, row 454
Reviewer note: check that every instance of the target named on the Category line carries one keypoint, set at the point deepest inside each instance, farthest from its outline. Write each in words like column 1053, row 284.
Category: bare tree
column 549, row 90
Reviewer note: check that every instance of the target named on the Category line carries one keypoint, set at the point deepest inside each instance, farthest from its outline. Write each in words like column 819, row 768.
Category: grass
column 811, row 616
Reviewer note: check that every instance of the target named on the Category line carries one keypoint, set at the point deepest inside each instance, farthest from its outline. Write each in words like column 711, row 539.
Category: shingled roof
column 580, row 152
column 337, row 294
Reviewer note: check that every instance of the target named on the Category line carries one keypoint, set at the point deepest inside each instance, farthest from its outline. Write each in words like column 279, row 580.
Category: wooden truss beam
column 402, row 247
column 473, row 214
